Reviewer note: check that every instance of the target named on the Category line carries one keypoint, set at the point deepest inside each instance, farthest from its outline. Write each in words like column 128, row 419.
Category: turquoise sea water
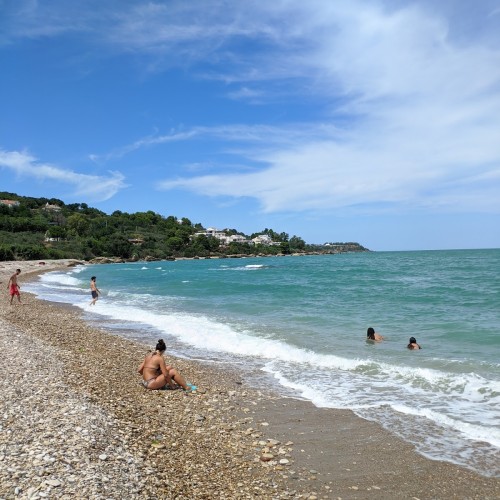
column 302, row 322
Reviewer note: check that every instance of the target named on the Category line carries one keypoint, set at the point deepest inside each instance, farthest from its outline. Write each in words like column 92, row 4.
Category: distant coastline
column 341, row 249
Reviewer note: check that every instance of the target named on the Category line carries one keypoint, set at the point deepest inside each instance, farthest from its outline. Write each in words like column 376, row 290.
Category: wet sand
column 228, row 440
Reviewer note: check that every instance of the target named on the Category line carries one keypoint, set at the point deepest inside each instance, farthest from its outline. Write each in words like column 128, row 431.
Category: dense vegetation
column 47, row 228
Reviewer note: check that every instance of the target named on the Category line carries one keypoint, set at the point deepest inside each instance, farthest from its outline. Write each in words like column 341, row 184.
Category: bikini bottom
column 146, row 383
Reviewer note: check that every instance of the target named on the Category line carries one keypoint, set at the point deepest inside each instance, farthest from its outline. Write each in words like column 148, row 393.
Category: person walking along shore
column 13, row 285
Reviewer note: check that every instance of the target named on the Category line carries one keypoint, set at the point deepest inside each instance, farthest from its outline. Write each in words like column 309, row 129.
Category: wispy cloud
column 144, row 142
column 89, row 187
column 247, row 94
column 422, row 119
column 266, row 136
column 49, row 19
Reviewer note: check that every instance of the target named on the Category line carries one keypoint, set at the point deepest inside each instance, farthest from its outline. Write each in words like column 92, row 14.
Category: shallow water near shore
column 303, row 320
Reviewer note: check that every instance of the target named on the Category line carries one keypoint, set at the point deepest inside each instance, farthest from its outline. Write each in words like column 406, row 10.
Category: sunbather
column 158, row 375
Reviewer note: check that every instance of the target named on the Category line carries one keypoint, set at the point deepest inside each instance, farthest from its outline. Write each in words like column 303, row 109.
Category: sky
column 375, row 121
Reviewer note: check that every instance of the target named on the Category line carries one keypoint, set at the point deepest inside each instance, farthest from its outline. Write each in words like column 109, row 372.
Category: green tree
column 56, row 232
column 297, row 243
column 79, row 224
column 174, row 243
column 118, row 246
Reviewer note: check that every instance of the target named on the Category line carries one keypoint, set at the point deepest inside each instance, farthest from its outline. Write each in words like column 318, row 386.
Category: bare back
column 151, row 366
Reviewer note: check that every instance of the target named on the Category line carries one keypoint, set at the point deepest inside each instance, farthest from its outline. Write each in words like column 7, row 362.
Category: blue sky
column 368, row 121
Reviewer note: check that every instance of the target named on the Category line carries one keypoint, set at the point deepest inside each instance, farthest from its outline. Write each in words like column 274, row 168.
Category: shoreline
column 215, row 438
column 120, row 260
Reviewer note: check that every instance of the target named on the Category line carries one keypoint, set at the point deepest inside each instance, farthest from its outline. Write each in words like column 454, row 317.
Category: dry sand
column 75, row 423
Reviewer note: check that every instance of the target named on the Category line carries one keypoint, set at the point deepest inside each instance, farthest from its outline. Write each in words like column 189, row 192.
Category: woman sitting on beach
column 372, row 335
column 413, row 344
column 157, row 375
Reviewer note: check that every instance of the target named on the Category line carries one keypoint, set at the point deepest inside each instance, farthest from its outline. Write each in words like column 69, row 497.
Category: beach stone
column 53, row 482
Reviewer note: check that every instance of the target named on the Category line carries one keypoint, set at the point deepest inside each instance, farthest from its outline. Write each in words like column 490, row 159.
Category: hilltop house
column 51, row 208
column 262, row 239
column 212, row 232
column 9, row 203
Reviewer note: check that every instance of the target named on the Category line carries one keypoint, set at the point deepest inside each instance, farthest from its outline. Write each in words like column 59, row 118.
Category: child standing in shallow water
column 94, row 291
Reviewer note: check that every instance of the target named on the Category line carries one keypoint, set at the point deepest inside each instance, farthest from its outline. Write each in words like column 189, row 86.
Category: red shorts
column 14, row 290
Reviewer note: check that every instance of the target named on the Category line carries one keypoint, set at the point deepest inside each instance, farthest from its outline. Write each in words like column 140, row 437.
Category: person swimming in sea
column 372, row 335
column 413, row 344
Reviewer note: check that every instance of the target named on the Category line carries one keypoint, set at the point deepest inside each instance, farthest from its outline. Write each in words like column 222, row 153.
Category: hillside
column 48, row 228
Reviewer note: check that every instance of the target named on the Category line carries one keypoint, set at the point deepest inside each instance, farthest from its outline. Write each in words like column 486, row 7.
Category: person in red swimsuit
column 13, row 285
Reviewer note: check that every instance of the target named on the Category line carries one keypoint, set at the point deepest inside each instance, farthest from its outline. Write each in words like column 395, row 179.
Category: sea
column 300, row 323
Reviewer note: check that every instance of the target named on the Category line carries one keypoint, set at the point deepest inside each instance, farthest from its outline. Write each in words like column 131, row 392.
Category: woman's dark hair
column 160, row 346
column 93, row 278
column 413, row 340
column 370, row 333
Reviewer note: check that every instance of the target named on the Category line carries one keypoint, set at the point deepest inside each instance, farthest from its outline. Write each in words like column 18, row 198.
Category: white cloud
column 91, row 187
column 422, row 118
column 326, row 176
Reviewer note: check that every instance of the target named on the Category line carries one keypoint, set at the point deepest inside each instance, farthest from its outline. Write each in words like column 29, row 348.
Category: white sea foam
column 250, row 267
column 488, row 434
column 60, row 278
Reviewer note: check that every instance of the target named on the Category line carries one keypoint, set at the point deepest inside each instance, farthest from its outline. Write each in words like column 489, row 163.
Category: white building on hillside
column 262, row 239
column 51, row 208
column 9, row 203
column 212, row 232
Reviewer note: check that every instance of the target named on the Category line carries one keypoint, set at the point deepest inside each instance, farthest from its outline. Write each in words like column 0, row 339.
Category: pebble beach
column 75, row 422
